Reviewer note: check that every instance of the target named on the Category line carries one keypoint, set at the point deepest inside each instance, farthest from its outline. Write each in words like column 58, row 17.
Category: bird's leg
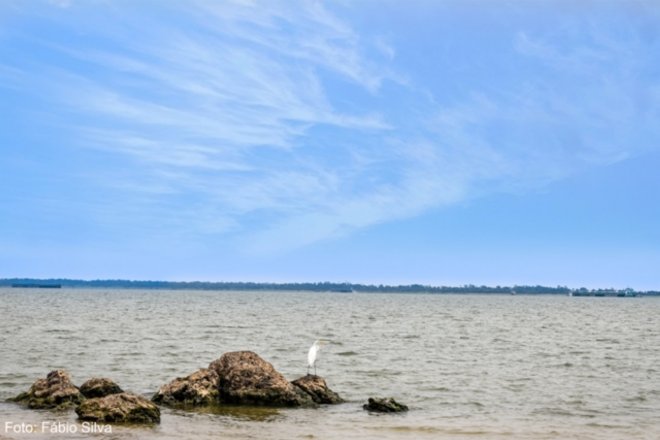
column 308, row 370
column 314, row 368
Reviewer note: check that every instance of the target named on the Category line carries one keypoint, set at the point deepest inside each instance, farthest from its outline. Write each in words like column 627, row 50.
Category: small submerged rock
column 119, row 408
column 99, row 387
column 386, row 405
column 316, row 387
column 199, row 388
column 56, row 391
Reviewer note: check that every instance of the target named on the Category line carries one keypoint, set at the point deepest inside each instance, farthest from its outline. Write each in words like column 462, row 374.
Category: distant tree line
column 315, row 287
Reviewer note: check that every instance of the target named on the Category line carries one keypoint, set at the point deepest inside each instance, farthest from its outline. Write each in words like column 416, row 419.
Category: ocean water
column 469, row 366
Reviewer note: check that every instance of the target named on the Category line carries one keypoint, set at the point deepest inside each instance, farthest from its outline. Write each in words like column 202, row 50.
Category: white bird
column 312, row 354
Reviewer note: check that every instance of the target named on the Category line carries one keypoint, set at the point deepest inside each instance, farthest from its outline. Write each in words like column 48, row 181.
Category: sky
column 434, row 142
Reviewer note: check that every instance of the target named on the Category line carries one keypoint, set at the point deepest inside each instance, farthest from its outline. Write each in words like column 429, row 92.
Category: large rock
column 119, row 408
column 55, row 391
column 199, row 388
column 378, row 404
column 317, row 389
column 99, row 387
column 244, row 378
column 247, row 379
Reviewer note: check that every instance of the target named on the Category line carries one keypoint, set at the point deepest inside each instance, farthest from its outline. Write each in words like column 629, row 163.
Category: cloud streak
column 277, row 118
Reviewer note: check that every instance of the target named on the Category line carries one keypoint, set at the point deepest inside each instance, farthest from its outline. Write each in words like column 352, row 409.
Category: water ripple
column 468, row 366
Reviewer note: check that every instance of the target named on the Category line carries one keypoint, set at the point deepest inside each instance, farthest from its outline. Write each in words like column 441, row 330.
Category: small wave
column 603, row 425
column 435, row 430
column 347, row 353
column 610, row 340
column 576, row 402
column 169, row 354
column 440, row 389
column 139, row 353
column 382, row 373
column 407, row 428
column 500, row 340
column 13, row 376
column 555, row 412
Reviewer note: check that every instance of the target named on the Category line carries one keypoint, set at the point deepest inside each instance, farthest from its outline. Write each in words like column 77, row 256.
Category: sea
column 468, row 366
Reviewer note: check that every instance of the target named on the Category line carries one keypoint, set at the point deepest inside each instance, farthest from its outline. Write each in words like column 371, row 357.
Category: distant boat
column 36, row 286
column 343, row 290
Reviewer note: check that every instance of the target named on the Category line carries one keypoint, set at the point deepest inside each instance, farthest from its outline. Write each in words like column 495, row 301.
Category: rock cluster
column 386, row 405
column 236, row 378
column 98, row 399
column 244, row 378
column 54, row 392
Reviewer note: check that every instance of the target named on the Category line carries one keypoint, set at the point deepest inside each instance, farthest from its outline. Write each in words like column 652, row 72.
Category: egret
column 312, row 354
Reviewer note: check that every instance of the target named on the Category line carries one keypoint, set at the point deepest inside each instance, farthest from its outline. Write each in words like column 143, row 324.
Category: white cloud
column 227, row 110
column 305, row 31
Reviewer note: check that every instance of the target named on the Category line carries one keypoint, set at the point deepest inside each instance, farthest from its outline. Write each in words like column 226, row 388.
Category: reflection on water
column 468, row 366
column 247, row 413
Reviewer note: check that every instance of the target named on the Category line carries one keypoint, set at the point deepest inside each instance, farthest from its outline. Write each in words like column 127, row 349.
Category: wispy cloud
column 307, row 32
column 275, row 118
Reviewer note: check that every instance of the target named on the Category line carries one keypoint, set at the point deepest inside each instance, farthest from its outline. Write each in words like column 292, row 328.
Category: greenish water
column 469, row 366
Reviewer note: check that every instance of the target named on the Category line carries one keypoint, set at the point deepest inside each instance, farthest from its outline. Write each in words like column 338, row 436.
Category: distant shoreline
column 345, row 288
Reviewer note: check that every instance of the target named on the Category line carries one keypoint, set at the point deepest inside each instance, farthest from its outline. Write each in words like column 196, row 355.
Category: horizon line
column 4, row 282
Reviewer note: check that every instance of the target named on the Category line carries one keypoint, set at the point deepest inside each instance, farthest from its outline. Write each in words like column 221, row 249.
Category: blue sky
column 440, row 142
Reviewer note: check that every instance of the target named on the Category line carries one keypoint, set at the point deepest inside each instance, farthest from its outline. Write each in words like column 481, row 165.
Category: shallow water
column 469, row 366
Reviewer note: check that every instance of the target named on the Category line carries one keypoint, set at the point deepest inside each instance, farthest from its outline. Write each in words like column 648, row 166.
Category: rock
column 55, row 391
column 377, row 404
column 247, row 379
column 199, row 388
column 119, row 408
column 244, row 378
column 318, row 390
column 99, row 387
